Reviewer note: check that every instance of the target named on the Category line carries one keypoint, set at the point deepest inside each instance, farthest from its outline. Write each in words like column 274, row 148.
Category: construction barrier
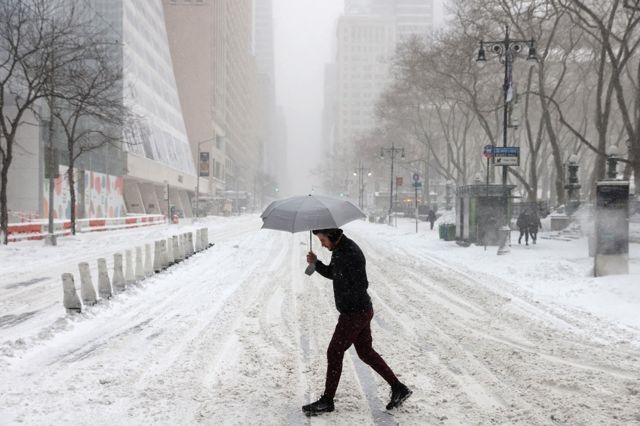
column 39, row 230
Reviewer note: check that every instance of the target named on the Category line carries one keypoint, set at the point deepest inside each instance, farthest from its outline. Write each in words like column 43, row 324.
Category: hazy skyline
column 303, row 39
column 304, row 36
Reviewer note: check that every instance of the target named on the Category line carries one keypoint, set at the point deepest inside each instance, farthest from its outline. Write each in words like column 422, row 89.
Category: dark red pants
column 353, row 329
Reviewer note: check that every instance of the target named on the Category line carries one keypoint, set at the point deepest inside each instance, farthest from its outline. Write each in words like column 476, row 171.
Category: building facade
column 366, row 38
column 211, row 45
column 365, row 43
column 273, row 163
column 191, row 30
column 151, row 170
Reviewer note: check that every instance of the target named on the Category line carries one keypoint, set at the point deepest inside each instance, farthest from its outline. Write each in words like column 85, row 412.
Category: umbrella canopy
column 309, row 212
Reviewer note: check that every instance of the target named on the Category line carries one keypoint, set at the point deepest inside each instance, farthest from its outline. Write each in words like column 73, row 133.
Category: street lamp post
column 573, row 187
column 360, row 173
column 506, row 49
column 613, row 154
column 393, row 150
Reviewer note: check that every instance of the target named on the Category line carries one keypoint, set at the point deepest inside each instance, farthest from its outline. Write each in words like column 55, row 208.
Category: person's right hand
column 311, row 257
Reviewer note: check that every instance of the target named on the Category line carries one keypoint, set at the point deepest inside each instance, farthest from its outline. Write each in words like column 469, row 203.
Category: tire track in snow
column 499, row 363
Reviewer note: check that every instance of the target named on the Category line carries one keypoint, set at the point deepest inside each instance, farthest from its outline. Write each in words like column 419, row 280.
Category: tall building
column 367, row 36
column 211, row 44
column 263, row 38
column 329, row 110
column 412, row 17
column 153, row 171
column 159, row 155
column 366, row 39
column 192, row 33
column 238, row 92
column 272, row 164
column 365, row 43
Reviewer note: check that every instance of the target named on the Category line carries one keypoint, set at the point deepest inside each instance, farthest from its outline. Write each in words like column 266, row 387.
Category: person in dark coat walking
column 347, row 269
column 431, row 217
column 523, row 224
column 534, row 225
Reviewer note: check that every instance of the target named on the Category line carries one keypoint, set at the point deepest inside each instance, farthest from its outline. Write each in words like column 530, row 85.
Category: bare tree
column 614, row 26
column 88, row 108
column 29, row 31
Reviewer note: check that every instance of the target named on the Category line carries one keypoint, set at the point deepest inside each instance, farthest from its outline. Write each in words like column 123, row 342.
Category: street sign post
column 488, row 151
column 416, row 184
column 506, row 156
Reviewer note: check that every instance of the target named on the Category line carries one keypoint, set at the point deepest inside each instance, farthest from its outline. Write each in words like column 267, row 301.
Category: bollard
column 87, row 291
column 170, row 256
column 139, row 273
column 104, row 284
column 183, row 245
column 128, row 271
column 197, row 241
column 176, row 249
column 157, row 257
column 118, row 276
column 190, row 243
column 148, row 261
column 163, row 257
column 205, row 238
column 504, row 233
column 71, row 300
column 201, row 240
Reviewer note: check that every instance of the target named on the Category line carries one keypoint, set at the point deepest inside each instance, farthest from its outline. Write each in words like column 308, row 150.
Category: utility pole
column 393, row 150
column 50, row 239
column 360, row 172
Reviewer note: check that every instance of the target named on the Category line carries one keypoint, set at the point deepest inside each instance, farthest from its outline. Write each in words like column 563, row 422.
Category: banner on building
column 204, row 164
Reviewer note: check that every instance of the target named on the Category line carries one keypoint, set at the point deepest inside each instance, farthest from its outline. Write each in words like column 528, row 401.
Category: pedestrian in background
column 534, row 225
column 431, row 217
column 523, row 224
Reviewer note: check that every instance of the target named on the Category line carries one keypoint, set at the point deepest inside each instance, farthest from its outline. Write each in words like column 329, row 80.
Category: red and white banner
column 38, row 230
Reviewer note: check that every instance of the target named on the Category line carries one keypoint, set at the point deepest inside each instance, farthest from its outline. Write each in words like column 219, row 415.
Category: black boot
column 323, row 405
column 399, row 394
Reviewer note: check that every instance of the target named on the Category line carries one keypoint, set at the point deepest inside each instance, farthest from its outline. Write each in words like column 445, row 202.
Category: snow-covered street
column 237, row 334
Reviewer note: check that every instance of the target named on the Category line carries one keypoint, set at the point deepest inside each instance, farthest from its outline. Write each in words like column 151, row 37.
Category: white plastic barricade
column 118, row 276
column 87, row 291
column 71, row 300
column 139, row 271
column 104, row 283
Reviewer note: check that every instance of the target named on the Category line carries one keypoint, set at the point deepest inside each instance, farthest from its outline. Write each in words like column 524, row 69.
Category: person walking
column 347, row 269
column 534, row 225
column 523, row 224
column 431, row 217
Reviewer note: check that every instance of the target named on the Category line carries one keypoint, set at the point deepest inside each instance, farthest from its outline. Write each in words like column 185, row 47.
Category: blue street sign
column 506, row 155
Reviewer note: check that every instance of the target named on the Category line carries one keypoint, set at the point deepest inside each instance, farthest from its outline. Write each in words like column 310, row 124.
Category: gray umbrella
column 309, row 212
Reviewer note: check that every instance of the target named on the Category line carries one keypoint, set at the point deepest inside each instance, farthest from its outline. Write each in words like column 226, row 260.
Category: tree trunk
column 72, row 193
column 4, row 215
column 533, row 175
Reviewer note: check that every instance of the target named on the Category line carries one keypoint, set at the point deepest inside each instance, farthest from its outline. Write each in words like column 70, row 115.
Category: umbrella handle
column 310, row 242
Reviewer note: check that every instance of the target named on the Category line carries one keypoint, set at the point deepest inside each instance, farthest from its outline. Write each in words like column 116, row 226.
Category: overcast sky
column 304, row 36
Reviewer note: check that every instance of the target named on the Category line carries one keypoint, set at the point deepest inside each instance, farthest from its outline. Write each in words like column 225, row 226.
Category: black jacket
column 347, row 270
